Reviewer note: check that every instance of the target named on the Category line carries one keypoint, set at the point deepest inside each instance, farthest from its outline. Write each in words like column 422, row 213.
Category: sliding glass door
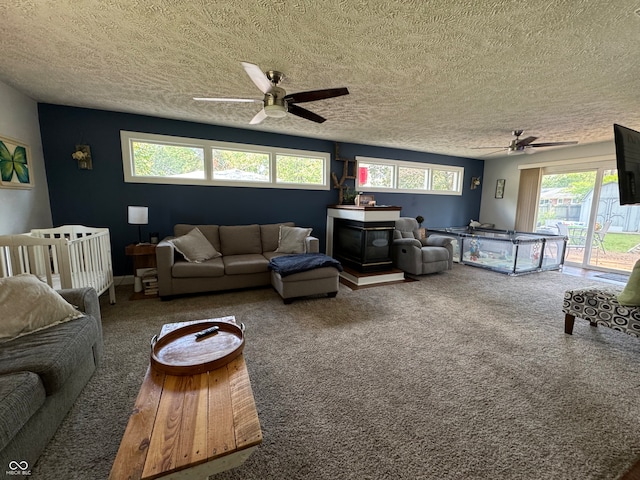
column 584, row 206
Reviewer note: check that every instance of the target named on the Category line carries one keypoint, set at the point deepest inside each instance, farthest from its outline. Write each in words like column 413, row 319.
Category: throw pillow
column 292, row 239
column 195, row 247
column 28, row 305
column 630, row 296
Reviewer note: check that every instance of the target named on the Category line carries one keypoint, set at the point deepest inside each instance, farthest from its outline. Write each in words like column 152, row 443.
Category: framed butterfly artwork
column 15, row 164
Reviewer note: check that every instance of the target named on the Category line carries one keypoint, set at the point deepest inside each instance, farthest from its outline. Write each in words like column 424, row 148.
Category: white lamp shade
column 138, row 215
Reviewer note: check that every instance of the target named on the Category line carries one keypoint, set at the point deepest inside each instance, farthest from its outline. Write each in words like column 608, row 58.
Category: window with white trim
column 382, row 175
column 150, row 158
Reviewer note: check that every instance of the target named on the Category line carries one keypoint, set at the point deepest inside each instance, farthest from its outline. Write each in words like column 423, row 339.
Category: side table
column 144, row 256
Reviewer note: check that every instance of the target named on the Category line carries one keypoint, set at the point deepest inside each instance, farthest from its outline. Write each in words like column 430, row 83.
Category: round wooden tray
column 180, row 353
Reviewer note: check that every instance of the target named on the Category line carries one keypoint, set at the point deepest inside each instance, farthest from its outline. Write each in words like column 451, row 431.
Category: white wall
column 23, row 210
column 502, row 212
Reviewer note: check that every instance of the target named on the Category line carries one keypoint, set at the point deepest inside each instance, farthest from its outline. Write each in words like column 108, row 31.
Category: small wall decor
column 83, row 157
column 500, row 188
column 475, row 182
column 15, row 164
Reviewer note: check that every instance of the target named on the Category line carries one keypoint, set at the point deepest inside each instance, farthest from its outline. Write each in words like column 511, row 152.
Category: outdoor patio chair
column 573, row 241
column 598, row 236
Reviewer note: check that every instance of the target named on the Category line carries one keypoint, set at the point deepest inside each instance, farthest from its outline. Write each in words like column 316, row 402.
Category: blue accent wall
column 100, row 197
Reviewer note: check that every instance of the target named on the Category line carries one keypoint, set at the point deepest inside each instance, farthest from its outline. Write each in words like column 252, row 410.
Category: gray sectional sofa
column 246, row 251
column 41, row 375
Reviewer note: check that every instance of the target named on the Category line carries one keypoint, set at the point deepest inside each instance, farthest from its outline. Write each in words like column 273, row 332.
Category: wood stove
column 364, row 246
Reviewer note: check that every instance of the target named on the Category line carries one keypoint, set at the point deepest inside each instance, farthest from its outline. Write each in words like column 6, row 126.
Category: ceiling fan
column 276, row 103
column 525, row 145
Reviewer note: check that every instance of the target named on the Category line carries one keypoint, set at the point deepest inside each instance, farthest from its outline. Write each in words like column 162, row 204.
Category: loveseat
column 41, row 375
column 241, row 258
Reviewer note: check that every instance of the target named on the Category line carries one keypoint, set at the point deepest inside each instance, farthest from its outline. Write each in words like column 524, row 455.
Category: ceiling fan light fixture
column 275, row 111
column 521, row 151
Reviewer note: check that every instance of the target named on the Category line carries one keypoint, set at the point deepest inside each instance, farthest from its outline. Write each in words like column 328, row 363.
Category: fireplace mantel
column 358, row 213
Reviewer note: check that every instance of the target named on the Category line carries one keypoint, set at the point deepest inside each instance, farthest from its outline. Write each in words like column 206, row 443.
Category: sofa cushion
column 195, row 247
column 243, row 264
column 292, row 239
column 240, row 239
column 21, row 395
column 211, row 232
column 270, row 255
column 209, row 268
column 52, row 353
column 270, row 235
column 27, row 305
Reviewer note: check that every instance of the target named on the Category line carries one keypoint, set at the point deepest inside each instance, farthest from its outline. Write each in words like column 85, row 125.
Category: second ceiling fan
column 276, row 102
column 525, row 145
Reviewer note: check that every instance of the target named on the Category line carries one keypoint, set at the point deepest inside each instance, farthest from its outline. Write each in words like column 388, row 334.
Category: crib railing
column 70, row 256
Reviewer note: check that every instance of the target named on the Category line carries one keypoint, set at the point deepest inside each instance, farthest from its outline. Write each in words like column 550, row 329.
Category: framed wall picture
column 500, row 188
column 15, row 164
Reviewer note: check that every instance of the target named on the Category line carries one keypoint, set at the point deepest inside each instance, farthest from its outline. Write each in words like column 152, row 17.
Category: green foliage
column 378, row 175
column 299, row 170
column 157, row 160
column 349, row 195
column 247, row 162
column 579, row 184
column 442, row 180
column 620, row 242
column 412, row 178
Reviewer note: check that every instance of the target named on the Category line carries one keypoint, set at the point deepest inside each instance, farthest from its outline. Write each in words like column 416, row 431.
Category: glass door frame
column 599, row 167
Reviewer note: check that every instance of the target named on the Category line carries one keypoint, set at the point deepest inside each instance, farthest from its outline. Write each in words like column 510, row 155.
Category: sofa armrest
column 438, row 241
column 442, row 241
column 85, row 299
column 165, row 258
column 407, row 242
column 312, row 244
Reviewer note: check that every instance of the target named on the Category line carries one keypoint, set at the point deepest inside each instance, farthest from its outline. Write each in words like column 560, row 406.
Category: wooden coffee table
column 189, row 426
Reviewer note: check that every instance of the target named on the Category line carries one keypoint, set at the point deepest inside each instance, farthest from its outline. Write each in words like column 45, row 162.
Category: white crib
column 70, row 256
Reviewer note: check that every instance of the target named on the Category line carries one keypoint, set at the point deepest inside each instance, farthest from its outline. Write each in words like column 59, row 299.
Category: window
column 161, row 160
column 151, row 158
column 375, row 174
column 240, row 166
column 298, row 169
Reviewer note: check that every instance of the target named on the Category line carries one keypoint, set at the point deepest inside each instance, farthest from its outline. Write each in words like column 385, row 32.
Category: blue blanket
column 290, row 264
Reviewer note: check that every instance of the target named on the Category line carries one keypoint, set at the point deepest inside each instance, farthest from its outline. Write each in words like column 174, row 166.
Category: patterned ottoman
column 600, row 307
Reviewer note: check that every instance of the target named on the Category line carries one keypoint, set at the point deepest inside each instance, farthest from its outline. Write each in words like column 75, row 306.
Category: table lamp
column 138, row 216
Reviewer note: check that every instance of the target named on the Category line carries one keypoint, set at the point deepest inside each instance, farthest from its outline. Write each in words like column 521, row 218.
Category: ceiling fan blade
column 304, row 113
column 260, row 116
column 551, row 144
column 314, row 95
column 478, row 148
column 258, row 77
column 495, row 151
column 523, row 142
column 216, row 99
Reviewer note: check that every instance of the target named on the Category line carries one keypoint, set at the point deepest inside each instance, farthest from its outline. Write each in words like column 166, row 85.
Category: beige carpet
column 462, row 375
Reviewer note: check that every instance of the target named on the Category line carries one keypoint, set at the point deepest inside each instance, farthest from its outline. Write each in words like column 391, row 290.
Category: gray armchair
column 416, row 255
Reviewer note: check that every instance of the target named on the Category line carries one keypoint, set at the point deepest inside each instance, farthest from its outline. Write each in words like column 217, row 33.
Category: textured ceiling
column 439, row 76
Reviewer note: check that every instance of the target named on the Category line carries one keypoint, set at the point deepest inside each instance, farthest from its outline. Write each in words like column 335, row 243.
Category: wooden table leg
column 568, row 323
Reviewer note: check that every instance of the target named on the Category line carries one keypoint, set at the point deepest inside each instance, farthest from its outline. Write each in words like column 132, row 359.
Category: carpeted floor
column 461, row 375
